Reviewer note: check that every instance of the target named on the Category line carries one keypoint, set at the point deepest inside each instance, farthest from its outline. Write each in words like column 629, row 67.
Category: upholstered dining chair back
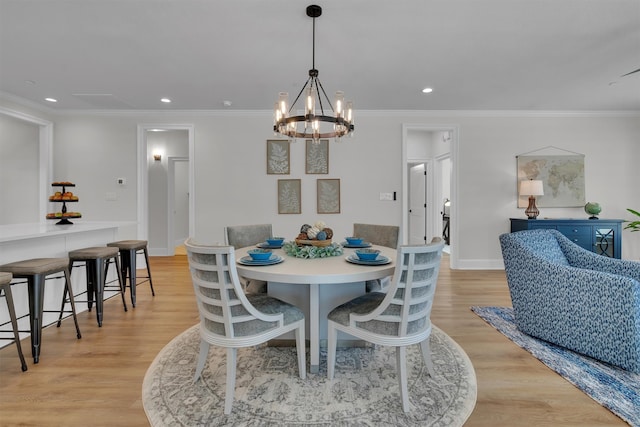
column 382, row 235
column 400, row 317
column 231, row 319
column 406, row 309
column 240, row 236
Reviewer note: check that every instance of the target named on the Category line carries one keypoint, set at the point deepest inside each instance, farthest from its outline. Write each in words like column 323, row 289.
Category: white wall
column 232, row 187
column 19, row 171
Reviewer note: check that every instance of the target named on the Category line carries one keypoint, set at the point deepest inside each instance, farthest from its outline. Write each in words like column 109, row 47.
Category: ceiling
column 547, row 55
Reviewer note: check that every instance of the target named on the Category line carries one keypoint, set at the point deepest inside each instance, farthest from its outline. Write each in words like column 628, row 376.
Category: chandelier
column 312, row 125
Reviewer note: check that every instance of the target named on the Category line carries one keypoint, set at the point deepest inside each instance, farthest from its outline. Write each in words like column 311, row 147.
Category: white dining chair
column 398, row 318
column 230, row 318
column 240, row 236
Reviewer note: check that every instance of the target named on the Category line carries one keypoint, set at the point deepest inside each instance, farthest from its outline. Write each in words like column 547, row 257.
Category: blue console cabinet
column 602, row 236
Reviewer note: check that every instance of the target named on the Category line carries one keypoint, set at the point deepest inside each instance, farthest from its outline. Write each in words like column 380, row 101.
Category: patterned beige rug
column 270, row 393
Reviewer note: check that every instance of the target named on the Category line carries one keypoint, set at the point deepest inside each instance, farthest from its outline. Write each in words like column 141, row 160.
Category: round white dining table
column 318, row 284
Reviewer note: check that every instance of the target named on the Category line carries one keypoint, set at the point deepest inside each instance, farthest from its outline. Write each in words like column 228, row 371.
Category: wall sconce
column 157, row 157
column 531, row 188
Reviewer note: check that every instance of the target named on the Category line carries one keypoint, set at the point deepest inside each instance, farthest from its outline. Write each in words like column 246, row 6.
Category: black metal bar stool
column 128, row 252
column 5, row 286
column 96, row 261
column 36, row 271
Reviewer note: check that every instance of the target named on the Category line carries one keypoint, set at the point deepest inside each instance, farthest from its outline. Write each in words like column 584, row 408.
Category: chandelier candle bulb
column 339, row 103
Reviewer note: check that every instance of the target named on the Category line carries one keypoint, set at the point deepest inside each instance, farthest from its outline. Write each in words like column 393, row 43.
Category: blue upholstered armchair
column 574, row 298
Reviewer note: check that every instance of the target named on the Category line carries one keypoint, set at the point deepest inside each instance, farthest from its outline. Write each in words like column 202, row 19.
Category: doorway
column 435, row 147
column 418, row 223
column 156, row 155
column 178, row 199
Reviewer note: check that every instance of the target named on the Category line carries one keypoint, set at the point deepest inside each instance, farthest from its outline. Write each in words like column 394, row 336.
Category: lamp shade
column 531, row 187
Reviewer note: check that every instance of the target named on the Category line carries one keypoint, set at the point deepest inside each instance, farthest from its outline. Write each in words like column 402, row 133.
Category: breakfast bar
column 44, row 240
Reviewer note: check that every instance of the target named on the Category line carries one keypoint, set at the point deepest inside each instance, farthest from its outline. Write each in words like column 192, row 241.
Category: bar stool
column 128, row 251
column 36, row 272
column 5, row 286
column 96, row 261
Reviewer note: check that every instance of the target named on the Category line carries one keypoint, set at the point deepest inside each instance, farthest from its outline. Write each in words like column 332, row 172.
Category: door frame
column 455, row 132
column 171, row 191
column 144, row 159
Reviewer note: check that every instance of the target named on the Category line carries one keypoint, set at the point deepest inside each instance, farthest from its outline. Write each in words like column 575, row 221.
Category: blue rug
column 614, row 388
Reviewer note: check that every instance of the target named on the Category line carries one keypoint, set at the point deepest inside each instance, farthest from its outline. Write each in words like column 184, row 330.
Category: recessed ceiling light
column 427, row 90
column 51, row 99
column 165, row 100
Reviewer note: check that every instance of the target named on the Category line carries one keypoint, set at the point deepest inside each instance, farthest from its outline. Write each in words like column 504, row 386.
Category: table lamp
column 531, row 188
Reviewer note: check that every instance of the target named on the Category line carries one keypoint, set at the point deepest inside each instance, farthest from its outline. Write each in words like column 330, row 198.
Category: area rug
column 614, row 388
column 269, row 391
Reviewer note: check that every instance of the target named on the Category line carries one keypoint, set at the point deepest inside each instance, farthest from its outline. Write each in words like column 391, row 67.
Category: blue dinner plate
column 247, row 260
column 268, row 246
column 381, row 260
column 361, row 245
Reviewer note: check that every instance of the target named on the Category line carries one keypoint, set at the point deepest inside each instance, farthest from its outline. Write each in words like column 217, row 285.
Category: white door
column 181, row 202
column 417, row 204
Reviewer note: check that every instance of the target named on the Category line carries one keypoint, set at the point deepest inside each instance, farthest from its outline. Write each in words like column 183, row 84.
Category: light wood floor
column 97, row 380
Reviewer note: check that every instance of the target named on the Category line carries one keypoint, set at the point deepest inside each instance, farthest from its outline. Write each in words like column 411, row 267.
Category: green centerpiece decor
column 309, row 251
column 313, row 241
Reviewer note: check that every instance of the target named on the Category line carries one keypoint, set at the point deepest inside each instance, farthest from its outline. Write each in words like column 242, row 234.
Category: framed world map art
column 562, row 178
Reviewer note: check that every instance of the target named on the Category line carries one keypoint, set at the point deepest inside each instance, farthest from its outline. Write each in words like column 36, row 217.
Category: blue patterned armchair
column 571, row 297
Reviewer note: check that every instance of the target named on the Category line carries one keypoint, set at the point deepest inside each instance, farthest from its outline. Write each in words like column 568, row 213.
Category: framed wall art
column 317, row 157
column 328, row 191
column 289, row 196
column 562, row 178
column 278, row 157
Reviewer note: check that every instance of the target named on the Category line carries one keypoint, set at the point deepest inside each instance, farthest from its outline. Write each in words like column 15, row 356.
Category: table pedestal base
column 316, row 302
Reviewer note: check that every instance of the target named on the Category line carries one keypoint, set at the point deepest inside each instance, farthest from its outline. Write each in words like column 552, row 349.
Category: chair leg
column 231, row 379
column 401, row 366
column 67, row 279
column 426, row 356
column 64, row 299
column 120, row 282
column 202, row 358
column 14, row 323
column 332, row 338
column 300, row 347
column 146, row 259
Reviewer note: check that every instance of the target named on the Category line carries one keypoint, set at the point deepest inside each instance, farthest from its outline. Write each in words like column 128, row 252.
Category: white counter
column 43, row 240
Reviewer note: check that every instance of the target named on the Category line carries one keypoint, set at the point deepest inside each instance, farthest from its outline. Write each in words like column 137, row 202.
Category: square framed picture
column 328, row 196
column 289, row 196
column 317, row 157
column 278, row 157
